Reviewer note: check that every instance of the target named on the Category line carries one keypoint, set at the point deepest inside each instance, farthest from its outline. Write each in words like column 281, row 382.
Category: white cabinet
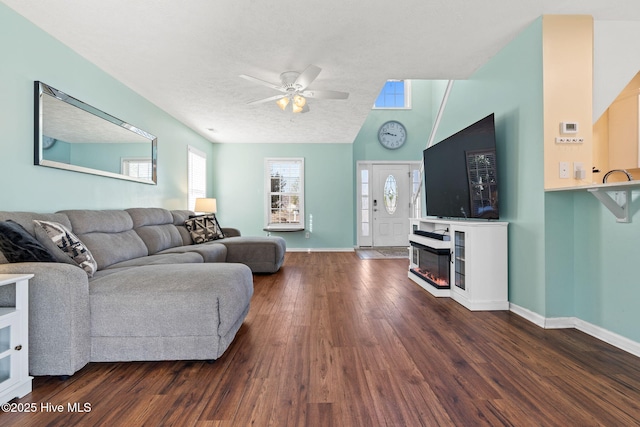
column 463, row 260
column 14, row 340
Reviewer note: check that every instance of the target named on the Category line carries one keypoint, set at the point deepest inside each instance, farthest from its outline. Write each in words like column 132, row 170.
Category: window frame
column 126, row 162
column 274, row 226
column 192, row 192
column 407, row 96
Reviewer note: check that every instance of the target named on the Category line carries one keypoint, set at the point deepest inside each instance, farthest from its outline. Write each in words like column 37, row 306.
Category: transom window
column 284, row 202
column 395, row 94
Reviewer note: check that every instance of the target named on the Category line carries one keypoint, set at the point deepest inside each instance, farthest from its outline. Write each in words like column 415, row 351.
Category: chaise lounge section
column 155, row 294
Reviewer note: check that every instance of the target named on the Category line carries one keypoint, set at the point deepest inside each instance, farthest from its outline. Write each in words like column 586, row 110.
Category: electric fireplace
column 431, row 264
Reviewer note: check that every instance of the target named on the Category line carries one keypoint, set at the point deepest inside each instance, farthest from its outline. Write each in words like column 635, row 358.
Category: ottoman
column 168, row 312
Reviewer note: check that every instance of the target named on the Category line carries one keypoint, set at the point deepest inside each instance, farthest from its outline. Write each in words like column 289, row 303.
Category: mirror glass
column 72, row 135
column 616, row 138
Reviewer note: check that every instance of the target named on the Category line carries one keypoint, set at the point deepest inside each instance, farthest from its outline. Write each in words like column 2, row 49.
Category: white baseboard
column 320, row 250
column 598, row 332
column 531, row 316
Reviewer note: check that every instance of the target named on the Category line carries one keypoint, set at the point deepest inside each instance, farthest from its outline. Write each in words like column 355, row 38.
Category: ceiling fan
column 294, row 88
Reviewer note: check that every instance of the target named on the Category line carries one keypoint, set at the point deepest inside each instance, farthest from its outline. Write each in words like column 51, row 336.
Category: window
column 284, row 203
column 197, row 176
column 364, row 203
column 416, row 185
column 396, row 94
column 137, row 167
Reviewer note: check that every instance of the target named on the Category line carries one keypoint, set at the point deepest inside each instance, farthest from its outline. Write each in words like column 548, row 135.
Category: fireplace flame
column 431, row 278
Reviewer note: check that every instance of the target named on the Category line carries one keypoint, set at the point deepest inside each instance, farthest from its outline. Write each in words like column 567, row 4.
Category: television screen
column 461, row 177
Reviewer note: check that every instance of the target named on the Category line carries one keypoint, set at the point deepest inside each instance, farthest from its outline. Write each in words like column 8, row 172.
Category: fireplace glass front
column 431, row 265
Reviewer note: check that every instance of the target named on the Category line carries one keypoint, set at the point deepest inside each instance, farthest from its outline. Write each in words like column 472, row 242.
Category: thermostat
column 569, row 127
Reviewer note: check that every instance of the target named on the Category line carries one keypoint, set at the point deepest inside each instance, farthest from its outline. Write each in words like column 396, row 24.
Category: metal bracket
column 618, row 207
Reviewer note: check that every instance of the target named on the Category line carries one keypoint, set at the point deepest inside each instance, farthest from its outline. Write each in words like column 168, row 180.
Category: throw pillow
column 18, row 245
column 52, row 247
column 204, row 228
column 71, row 245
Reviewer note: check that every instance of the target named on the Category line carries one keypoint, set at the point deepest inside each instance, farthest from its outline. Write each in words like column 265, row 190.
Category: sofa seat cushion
column 170, row 300
column 261, row 254
column 214, row 252
column 177, row 258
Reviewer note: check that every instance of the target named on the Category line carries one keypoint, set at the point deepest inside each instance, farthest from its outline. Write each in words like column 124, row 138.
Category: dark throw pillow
column 204, row 228
column 18, row 245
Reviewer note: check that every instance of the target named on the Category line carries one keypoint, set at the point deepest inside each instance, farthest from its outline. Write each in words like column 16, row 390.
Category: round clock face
column 392, row 135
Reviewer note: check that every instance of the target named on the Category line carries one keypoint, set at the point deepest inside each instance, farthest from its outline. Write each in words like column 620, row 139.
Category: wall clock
column 392, row 135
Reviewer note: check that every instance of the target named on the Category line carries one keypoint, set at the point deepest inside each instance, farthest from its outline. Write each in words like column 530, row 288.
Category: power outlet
column 564, row 170
column 306, row 235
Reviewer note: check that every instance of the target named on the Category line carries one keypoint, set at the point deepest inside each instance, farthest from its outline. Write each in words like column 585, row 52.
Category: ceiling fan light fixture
column 283, row 102
column 299, row 101
column 296, row 108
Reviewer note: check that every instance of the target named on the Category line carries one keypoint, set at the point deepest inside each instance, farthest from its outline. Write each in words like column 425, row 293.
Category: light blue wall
column 510, row 85
column 607, row 288
column 418, row 121
column 559, row 255
column 29, row 54
column 239, row 189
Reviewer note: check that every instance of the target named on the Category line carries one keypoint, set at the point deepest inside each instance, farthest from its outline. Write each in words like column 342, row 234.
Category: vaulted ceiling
column 186, row 56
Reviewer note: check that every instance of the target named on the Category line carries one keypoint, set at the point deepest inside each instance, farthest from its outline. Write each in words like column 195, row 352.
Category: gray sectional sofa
column 155, row 294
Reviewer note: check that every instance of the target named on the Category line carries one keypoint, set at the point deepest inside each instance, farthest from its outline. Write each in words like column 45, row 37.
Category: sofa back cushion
column 25, row 219
column 156, row 229
column 108, row 234
column 179, row 217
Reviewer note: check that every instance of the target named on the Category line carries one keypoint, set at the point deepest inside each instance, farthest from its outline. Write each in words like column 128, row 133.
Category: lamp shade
column 206, row 205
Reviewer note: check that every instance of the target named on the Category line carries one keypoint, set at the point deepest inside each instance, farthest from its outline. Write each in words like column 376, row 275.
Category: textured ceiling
column 186, row 56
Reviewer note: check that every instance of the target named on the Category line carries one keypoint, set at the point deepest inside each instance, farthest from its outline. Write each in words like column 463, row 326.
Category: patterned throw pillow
column 70, row 244
column 18, row 245
column 204, row 228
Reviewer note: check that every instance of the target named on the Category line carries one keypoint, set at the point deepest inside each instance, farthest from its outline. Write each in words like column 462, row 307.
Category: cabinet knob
column 18, row 347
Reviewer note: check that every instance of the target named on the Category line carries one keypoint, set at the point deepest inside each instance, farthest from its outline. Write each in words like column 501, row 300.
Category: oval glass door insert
column 390, row 194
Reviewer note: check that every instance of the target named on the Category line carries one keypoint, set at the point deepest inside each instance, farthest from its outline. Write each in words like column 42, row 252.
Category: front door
column 391, row 199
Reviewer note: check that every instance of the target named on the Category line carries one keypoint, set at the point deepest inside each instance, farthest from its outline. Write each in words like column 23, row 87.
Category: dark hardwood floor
column 335, row 340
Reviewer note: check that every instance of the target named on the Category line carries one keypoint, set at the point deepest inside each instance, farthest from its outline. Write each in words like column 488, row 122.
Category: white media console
column 462, row 259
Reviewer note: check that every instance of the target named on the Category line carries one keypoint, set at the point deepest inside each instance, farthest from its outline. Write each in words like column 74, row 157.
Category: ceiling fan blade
column 308, row 75
column 325, row 94
column 261, row 101
column 262, row 82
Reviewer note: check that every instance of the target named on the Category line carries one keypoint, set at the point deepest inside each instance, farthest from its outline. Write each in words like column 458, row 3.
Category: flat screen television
column 461, row 174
